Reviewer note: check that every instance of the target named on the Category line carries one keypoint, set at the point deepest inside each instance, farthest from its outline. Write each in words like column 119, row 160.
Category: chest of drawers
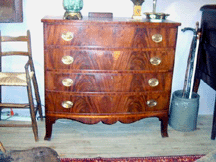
column 108, row 70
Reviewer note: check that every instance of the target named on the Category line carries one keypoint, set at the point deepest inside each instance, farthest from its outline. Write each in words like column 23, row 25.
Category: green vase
column 72, row 9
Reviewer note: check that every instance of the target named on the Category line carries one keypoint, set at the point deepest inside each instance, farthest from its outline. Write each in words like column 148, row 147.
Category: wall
column 184, row 11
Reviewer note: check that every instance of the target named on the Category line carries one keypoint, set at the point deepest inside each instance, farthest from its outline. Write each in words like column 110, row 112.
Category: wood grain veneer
column 110, row 71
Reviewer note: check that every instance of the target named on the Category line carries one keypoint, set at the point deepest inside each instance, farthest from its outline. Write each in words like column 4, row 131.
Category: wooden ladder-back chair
column 26, row 79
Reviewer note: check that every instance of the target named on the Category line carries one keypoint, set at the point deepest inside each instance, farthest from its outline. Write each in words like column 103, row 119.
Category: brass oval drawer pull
column 152, row 103
column 157, row 38
column 67, row 60
column 155, row 61
column 67, row 104
column 67, row 36
column 153, row 82
column 67, row 82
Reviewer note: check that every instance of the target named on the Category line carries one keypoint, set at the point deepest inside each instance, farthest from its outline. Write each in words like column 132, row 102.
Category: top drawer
column 120, row 36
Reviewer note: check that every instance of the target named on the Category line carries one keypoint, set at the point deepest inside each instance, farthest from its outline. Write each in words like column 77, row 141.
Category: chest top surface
column 113, row 21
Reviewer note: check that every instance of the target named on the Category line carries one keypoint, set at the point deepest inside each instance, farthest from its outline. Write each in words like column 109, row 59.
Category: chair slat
column 14, row 105
column 14, row 53
column 15, row 125
column 11, row 39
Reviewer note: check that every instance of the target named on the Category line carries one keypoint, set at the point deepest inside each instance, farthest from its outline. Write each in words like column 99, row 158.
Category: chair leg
column 0, row 112
column 2, row 148
column 0, row 102
column 39, row 107
column 32, row 112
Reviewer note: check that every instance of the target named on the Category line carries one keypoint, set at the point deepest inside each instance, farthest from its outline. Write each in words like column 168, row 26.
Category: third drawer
column 108, row 82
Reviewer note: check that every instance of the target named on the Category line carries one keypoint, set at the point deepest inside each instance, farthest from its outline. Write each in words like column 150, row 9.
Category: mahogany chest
column 108, row 70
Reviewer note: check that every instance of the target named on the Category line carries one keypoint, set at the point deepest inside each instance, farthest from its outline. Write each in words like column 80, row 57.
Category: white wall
column 184, row 11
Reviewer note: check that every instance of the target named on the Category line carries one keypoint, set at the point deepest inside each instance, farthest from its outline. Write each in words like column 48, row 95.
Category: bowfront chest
column 100, row 70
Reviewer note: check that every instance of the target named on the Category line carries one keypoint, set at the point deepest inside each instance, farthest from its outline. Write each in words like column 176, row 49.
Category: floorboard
column 72, row 139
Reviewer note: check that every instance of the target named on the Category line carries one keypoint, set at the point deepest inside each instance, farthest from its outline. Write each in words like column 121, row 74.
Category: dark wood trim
column 17, row 12
column 213, row 135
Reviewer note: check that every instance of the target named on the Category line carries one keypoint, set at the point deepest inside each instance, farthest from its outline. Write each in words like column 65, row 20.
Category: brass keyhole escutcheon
column 157, row 38
column 152, row 103
column 67, row 82
column 153, row 82
column 67, row 60
column 67, row 104
column 68, row 36
column 155, row 61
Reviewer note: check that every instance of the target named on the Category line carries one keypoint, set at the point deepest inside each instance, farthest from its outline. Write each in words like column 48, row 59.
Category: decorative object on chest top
column 108, row 71
column 154, row 16
column 137, row 9
column 73, row 8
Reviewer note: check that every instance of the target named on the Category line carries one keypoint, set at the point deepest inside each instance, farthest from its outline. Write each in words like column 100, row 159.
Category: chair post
column 0, row 71
column 39, row 107
column 31, row 105
column 34, row 80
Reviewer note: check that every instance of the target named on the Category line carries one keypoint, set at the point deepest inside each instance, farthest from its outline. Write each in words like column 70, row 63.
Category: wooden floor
column 140, row 139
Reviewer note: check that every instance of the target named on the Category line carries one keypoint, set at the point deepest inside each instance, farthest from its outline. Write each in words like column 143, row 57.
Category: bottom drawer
column 106, row 103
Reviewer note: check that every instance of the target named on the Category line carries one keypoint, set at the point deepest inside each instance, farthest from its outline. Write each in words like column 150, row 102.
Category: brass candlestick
column 137, row 9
